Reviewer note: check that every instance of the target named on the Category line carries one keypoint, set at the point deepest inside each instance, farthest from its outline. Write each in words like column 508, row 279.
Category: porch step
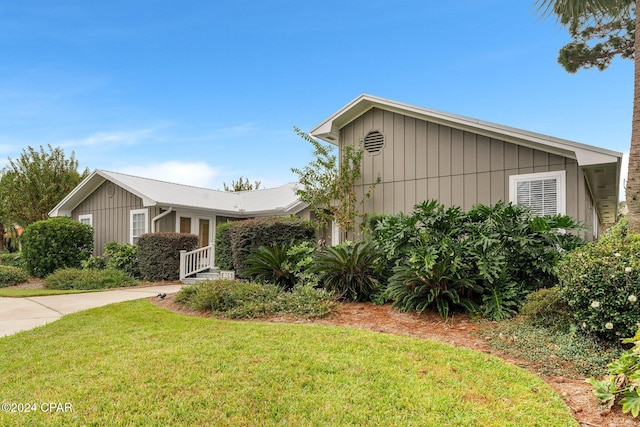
column 211, row 274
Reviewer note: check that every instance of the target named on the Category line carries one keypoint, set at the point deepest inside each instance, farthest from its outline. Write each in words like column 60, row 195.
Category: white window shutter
column 543, row 192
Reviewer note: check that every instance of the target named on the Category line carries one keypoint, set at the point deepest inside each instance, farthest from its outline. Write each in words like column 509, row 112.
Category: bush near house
column 56, row 243
column 74, row 278
column 14, row 259
column 224, row 255
column 10, row 276
column 249, row 235
column 159, row 254
column 122, row 257
column 601, row 284
column 487, row 259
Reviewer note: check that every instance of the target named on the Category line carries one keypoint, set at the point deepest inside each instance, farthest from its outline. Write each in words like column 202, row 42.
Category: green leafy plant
column 56, row 243
column 601, row 284
column 123, row 257
column 14, row 259
column 95, row 262
column 348, row 270
column 73, row 278
column 547, row 308
column 270, row 264
column 10, row 276
column 235, row 299
column 224, row 255
column 623, row 380
column 159, row 254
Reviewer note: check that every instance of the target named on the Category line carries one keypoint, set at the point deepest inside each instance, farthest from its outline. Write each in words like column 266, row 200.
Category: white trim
column 86, row 217
column 596, row 222
column 561, row 188
column 132, row 213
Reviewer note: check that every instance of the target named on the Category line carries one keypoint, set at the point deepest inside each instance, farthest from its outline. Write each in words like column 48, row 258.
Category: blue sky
column 202, row 92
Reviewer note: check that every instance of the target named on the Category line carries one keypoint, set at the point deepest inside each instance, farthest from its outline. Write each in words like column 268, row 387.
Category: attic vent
column 111, row 190
column 374, row 142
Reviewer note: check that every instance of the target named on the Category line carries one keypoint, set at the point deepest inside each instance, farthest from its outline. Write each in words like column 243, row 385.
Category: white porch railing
column 196, row 261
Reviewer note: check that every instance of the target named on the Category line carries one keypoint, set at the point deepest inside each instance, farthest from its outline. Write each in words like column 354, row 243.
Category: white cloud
column 624, row 171
column 111, row 138
column 198, row 174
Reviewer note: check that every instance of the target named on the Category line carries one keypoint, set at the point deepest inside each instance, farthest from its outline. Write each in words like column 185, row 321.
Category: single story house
column 421, row 154
column 123, row 207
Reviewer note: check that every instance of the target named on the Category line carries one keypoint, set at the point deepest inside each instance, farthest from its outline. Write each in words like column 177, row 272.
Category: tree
column 33, row 184
column 609, row 25
column 328, row 190
column 242, row 184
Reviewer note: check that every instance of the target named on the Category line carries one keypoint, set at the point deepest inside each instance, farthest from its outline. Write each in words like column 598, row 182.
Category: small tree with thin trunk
column 329, row 190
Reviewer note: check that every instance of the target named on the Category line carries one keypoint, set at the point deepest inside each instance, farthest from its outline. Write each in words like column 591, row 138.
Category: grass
column 134, row 363
column 25, row 293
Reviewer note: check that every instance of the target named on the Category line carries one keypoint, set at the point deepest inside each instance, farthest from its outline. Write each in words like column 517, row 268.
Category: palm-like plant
column 270, row 264
column 348, row 270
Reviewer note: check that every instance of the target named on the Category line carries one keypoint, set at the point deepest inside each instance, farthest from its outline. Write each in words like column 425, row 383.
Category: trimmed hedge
column 14, row 259
column 159, row 254
column 249, row 235
column 55, row 243
column 10, row 276
column 224, row 255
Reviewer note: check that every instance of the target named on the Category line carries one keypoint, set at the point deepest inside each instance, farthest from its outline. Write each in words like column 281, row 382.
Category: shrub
column 601, row 284
column 249, row 235
column 348, row 270
column 235, row 299
column 123, row 257
column 10, row 276
column 159, row 254
column 621, row 384
column 224, row 255
column 14, row 259
column 73, row 278
column 545, row 307
column 56, row 243
column 491, row 255
column 95, row 262
column 268, row 264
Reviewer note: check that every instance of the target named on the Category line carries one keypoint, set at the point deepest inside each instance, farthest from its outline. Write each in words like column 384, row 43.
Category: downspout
column 156, row 218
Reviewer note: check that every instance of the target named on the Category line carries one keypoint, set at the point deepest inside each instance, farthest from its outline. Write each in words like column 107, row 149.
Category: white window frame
column 561, row 187
column 86, row 217
column 132, row 214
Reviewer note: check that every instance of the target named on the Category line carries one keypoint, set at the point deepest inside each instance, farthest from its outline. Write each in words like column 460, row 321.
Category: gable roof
column 601, row 166
column 273, row 201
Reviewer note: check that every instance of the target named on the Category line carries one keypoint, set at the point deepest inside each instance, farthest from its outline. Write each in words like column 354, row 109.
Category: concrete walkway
column 20, row 314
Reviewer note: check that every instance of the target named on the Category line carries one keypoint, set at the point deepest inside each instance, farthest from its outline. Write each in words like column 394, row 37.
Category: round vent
column 374, row 142
column 111, row 190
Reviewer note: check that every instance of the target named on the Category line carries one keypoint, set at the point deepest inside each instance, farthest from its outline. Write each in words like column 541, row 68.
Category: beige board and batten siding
column 423, row 160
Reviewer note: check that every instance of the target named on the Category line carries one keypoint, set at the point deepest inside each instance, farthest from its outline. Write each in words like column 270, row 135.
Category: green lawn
column 136, row 364
column 25, row 293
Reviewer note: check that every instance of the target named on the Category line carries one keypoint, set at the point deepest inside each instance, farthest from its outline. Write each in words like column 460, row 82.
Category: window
column 138, row 224
column 543, row 192
column 86, row 219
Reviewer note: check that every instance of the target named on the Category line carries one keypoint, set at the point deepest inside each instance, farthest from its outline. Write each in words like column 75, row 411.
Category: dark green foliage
column 546, row 308
column 348, row 270
column 601, row 284
column 159, row 254
column 491, row 256
column 10, row 276
column 123, row 258
column 269, row 264
column 247, row 236
column 95, row 262
column 236, row 299
column 56, row 243
column 224, row 255
column 14, row 259
column 73, row 278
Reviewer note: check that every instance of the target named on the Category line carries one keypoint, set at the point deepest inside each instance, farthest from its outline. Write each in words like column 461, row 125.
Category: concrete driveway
column 20, row 314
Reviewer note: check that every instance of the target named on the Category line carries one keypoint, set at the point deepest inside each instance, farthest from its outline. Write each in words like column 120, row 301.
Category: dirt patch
column 457, row 330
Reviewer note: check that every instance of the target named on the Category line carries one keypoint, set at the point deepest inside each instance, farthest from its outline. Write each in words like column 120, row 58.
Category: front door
column 203, row 232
